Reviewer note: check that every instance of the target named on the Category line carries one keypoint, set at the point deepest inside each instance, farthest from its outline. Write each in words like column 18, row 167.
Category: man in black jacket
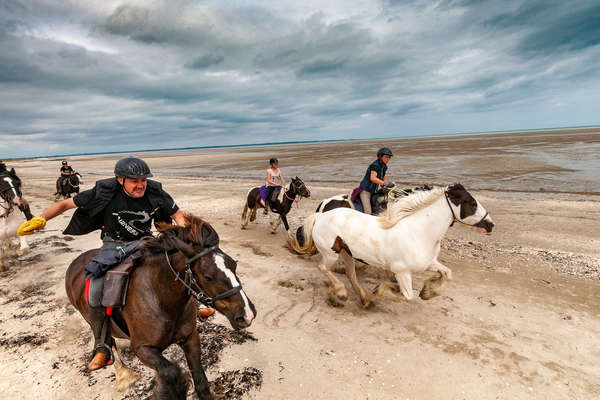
column 124, row 208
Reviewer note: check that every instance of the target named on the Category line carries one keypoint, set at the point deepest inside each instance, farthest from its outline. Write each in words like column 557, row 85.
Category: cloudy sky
column 93, row 76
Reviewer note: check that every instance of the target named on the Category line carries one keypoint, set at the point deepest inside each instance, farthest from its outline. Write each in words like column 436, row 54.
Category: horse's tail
column 245, row 214
column 305, row 245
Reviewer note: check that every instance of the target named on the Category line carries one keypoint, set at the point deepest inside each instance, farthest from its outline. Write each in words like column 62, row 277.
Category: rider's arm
column 282, row 181
column 58, row 208
column 375, row 179
column 179, row 218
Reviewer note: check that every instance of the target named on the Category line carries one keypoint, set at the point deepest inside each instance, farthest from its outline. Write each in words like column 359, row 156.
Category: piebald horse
column 295, row 190
column 71, row 185
column 10, row 199
column 405, row 239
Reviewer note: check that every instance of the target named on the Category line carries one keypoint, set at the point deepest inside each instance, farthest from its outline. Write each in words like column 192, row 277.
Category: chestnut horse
column 180, row 267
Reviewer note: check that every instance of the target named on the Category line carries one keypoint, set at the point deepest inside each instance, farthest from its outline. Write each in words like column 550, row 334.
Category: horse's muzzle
column 486, row 224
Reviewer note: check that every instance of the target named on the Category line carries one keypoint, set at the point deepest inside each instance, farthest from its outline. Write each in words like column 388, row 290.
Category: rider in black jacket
column 123, row 207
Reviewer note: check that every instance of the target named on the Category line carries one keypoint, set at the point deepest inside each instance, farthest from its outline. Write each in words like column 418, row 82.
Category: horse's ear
column 210, row 237
column 175, row 243
column 12, row 172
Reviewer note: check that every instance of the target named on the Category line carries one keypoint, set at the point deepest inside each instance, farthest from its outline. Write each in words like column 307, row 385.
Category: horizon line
column 301, row 142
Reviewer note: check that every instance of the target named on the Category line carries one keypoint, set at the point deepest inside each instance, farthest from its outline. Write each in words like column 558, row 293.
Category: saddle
column 110, row 290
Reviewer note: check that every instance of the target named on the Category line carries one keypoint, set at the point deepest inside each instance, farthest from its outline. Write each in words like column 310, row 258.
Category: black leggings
column 272, row 193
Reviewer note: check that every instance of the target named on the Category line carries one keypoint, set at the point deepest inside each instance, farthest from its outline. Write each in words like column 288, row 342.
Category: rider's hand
column 28, row 227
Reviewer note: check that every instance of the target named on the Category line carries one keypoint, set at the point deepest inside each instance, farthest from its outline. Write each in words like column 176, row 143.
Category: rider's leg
column 270, row 190
column 103, row 341
column 365, row 199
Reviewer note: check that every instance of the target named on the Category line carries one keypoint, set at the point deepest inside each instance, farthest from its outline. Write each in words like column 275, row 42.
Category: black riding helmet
column 132, row 167
column 384, row 151
column 64, row 162
column 273, row 161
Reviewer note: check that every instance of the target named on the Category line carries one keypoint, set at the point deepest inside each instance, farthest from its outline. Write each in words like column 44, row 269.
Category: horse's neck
column 288, row 199
column 432, row 221
column 174, row 293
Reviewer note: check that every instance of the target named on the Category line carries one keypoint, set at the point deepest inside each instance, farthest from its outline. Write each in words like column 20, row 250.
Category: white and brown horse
column 254, row 201
column 405, row 239
column 11, row 199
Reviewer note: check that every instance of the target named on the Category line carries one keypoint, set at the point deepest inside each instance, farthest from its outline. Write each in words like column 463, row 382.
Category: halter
column 11, row 206
column 454, row 219
column 198, row 292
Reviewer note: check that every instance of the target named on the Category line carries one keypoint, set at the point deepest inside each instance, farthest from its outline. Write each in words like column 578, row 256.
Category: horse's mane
column 195, row 232
column 408, row 205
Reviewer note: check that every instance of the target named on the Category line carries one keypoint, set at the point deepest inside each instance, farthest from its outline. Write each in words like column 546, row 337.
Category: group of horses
column 404, row 238
column 184, row 265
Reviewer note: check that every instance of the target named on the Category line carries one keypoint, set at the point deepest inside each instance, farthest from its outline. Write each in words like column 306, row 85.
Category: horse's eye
column 208, row 278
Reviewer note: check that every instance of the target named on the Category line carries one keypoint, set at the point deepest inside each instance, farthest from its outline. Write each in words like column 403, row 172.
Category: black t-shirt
column 67, row 170
column 127, row 218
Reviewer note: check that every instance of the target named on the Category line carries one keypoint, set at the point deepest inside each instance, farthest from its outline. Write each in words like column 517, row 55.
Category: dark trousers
column 272, row 194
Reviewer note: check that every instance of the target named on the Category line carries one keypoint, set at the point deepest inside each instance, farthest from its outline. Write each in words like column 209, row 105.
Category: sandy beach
column 520, row 320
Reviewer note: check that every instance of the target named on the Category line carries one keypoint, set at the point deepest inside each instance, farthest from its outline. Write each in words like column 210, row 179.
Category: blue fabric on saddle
column 263, row 192
column 108, row 258
column 111, row 270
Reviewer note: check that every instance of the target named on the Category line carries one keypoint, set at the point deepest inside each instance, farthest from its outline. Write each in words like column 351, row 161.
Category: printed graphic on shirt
column 134, row 222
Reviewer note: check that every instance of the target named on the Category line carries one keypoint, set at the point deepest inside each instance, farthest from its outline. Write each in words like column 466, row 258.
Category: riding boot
column 100, row 324
column 266, row 212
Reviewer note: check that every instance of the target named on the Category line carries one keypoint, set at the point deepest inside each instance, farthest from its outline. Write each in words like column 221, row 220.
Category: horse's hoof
column 126, row 378
column 335, row 301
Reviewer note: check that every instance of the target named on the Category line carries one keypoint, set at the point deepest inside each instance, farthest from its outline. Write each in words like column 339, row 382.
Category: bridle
column 454, row 219
column 9, row 201
column 293, row 199
column 193, row 287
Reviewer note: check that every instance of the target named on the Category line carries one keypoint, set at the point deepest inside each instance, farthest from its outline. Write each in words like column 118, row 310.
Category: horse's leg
column 275, row 224
column 191, row 348
column 24, row 246
column 404, row 279
column 337, row 291
column 285, row 222
column 126, row 377
column 365, row 298
column 170, row 382
column 433, row 286
column 253, row 213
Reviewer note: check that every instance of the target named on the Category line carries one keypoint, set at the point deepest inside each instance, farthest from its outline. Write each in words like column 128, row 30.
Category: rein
column 70, row 183
column 293, row 200
column 198, row 292
column 454, row 219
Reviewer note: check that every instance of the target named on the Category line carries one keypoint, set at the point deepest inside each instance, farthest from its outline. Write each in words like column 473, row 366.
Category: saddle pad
column 263, row 192
column 94, row 291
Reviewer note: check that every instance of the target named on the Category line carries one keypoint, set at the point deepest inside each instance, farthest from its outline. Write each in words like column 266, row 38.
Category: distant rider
column 274, row 183
column 65, row 172
column 123, row 208
column 374, row 177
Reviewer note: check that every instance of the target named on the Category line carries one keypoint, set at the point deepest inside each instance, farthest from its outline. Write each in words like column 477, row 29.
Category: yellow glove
column 28, row 227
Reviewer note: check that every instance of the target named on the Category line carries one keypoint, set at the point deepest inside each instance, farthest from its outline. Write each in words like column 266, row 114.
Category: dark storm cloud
column 113, row 75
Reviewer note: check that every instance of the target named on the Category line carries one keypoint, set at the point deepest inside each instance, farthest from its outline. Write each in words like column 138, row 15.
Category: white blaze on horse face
column 10, row 182
column 220, row 262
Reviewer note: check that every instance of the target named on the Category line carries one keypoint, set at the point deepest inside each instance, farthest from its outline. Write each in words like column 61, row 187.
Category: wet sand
column 520, row 320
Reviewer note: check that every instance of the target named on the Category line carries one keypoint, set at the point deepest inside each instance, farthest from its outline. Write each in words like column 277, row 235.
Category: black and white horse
column 11, row 198
column 379, row 202
column 403, row 240
column 69, row 185
column 254, row 201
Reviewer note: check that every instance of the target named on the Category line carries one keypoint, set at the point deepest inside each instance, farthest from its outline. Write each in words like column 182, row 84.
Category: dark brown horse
column 179, row 268
column 69, row 185
column 295, row 190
